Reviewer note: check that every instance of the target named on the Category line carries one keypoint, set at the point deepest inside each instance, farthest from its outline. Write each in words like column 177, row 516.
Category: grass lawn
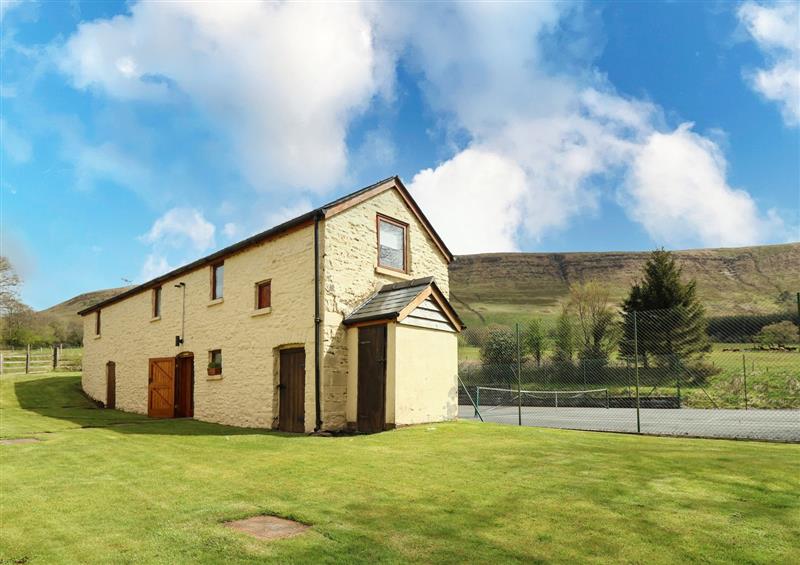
column 133, row 490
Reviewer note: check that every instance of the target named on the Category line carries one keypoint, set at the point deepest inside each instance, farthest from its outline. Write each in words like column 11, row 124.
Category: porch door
column 292, row 387
column 184, row 387
column 161, row 388
column 111, row 385
column 371, row 378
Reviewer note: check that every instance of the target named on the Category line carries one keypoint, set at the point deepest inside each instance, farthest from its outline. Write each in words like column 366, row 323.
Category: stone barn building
column 337, row 319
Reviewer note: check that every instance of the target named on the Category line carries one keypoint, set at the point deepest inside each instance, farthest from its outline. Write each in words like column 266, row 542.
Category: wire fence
column 664, row 372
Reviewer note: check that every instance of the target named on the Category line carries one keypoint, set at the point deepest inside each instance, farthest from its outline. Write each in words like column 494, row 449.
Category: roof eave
column 208, row 259
column 374, row 318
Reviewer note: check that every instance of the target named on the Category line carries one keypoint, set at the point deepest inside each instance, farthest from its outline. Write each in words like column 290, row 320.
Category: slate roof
column 318, row 213
column 390, row 300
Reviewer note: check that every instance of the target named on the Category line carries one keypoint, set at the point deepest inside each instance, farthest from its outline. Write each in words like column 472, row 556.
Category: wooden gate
column 111, row 385
column 292, row 413
column 184, row 386
column 371, row 378
column 161, row 397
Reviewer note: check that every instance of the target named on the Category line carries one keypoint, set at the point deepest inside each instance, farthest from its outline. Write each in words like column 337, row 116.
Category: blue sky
column 136, row 137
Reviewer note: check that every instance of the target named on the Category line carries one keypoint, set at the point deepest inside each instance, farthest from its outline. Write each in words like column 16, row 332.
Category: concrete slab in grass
column 268, row 527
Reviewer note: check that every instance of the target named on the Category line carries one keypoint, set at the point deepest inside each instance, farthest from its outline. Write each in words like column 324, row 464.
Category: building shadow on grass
column 62, row 398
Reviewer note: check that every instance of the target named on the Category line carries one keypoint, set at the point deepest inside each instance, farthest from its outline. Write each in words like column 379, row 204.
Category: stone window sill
column 216, row 301
column 392, row 273
column 97, row 337
column 155, row 319
column 261, row 312
column 214, row 378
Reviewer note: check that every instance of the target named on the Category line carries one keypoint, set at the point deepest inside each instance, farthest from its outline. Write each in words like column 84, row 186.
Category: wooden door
column 161, row 398
column 111, row 385
column 184, row 387
column 371, row 378
column 292, row 412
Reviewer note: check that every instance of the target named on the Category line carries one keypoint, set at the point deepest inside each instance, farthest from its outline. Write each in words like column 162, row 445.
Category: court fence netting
column 666, row 372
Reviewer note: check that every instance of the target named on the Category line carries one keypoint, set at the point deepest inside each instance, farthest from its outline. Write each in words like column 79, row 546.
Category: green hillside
column 506, row 287
column 67, row 311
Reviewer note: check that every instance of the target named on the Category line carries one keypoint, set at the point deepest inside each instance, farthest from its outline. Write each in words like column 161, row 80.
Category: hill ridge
column 506, row 285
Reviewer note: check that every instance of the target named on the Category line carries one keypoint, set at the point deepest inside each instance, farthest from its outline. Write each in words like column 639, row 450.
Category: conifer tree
column 670, row 319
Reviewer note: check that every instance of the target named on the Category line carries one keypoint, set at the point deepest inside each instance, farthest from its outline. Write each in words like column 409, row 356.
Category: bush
column 500, row 347
column 698, row 371
column 781, row 333
column 744, row 328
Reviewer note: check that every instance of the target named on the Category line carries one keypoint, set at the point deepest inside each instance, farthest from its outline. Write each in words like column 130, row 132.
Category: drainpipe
column 317, row 325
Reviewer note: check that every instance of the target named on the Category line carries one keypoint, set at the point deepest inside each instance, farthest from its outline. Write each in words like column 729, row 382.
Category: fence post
column 28, row 359
column 55, row 357
column 636, row 370
column 744, row 374
column 519, row 380
column 798, row 321
column 1, row 363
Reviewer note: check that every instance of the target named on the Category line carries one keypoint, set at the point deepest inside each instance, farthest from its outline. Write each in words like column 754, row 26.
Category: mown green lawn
column 139, row 491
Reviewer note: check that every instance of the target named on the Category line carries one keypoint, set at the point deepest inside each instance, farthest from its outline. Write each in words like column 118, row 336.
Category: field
column 106, row 487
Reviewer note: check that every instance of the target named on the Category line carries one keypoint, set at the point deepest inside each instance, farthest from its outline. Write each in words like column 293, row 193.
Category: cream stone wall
column 249, row 340
column 350, row 276
column 421, row 375
column 425, row 376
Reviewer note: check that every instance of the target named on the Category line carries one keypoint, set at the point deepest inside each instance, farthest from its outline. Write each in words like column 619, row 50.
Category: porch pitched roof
column 396, row 301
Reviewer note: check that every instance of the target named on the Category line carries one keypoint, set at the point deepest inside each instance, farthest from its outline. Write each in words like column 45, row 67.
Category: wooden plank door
column 292, row 410
column 184, row 387
column 161, row 398
column 371, row 378
column 111, row 385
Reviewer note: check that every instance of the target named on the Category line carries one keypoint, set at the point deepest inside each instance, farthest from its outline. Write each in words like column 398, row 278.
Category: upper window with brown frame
column 392, row 244
column 217, row 280
column 157, row 302
column 263, row 295
column 97, row 323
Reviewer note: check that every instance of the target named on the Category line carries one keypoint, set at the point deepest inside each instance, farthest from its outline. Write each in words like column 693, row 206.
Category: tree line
column 661, row 322
column 20, row 325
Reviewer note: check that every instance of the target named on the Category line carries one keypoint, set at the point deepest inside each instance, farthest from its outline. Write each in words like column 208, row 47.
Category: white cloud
column 776, row 31
column 281, row 80
column 6, row 5
column 180, row 233
column 562, row 139
column 538, row 135
column 231, row 230
column 472, row 199
column 14, row 145
column 154, row 266
column 286, row 213
column 180, row 226
column 680, row 195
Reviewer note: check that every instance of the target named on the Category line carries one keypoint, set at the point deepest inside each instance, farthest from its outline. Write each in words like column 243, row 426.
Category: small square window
column 97, row 323
column 392, row 251
column 263, row 295
column 157, row 302
column 217, row 279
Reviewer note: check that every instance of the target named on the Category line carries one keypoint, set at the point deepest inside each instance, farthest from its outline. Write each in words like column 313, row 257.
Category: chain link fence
column 664, row 372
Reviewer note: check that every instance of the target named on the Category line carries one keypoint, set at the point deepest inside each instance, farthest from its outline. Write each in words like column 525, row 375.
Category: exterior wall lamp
column 179, row 338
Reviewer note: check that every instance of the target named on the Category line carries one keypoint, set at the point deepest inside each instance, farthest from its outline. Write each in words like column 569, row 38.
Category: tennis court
column 778, row 425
